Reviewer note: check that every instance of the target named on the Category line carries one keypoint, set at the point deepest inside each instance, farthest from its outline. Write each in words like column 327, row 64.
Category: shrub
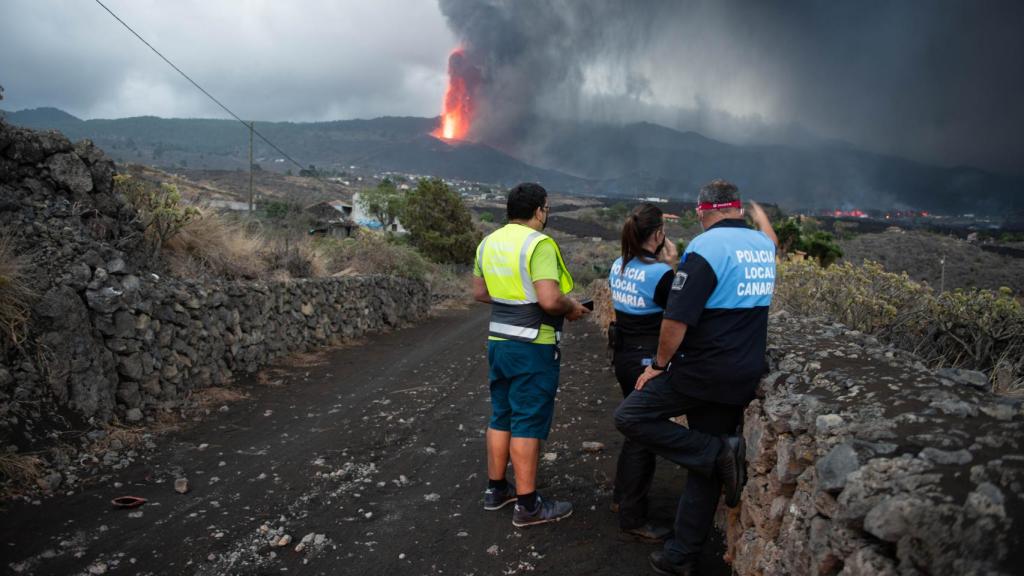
column 371, row 252
column 439, row 224
column 977, row 329
column 821, row 246
column 294, row 259
column 804, row 235
column 159, row 207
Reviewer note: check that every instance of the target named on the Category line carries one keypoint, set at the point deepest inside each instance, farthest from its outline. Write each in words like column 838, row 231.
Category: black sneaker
column 662, row 565
column 731, row 467
column 546, row 512
column 495, row 499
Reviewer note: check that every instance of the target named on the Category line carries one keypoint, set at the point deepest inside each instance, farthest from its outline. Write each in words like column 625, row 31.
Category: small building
column 332, row 218
column 331, row 210
column 366, row 220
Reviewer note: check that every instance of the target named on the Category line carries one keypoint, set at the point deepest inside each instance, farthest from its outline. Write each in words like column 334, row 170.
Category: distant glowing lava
column 459, row 107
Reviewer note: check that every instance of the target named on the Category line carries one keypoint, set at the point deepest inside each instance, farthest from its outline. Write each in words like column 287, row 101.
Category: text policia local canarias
column 766, row 274
column 623, row 284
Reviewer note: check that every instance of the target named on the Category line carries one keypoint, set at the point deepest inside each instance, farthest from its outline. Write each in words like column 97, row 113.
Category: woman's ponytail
column 643, row 221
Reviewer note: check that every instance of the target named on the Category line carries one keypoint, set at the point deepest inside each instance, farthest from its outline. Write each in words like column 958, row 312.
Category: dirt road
column 372, row 458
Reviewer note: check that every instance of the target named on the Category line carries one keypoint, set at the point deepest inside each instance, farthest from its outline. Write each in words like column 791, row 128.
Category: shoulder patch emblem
column 680, row 280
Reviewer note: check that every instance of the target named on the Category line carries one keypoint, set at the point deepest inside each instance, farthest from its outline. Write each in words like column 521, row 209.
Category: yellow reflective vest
column 503, row 258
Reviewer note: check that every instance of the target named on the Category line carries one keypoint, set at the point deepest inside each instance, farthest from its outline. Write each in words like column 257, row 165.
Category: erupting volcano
column 457, row 114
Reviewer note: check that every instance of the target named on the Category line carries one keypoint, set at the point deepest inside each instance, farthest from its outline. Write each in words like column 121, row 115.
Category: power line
column 201, row 89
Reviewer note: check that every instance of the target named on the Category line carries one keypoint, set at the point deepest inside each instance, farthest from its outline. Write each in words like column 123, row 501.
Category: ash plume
column 935, row 80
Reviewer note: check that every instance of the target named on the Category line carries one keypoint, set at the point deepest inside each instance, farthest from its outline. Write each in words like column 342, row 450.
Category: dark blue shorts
column 524, row 381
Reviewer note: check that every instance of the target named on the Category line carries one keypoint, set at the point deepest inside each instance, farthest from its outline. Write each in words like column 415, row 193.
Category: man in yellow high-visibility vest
column 519, row 271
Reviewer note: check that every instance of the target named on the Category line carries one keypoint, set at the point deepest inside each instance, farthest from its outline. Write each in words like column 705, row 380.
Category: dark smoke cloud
column 936, row 80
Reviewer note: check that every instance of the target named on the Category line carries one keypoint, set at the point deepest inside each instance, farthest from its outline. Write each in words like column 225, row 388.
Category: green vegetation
column 1011, row 237
column 159, row 207
column 615, row 213
column 439, row 224
column 976, row 329
column 384, row 203
column 802, row 235
column 278, row 211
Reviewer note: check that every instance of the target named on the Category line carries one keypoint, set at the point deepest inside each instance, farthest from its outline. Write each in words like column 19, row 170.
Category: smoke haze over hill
column 939, row 81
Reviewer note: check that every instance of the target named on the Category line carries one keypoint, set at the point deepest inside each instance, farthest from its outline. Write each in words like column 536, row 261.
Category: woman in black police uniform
column 640, row 281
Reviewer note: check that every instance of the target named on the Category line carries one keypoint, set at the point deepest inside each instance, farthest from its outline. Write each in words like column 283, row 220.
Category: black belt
column 617, row 340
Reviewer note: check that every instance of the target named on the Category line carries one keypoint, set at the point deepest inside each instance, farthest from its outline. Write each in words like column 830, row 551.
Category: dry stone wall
column 863, row 461
column 157, row 340
column 109, row 336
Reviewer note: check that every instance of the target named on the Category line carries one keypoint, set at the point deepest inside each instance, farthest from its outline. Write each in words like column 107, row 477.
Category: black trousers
column 635, row 469
column 643, row 417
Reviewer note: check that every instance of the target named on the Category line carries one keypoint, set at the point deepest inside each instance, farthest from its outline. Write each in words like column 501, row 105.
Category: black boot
column 731, row 467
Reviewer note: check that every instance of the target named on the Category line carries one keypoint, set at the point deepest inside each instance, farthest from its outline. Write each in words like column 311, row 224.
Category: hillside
column 919, row 253
column 396, row 144
column 648, row 157
column 640, row 159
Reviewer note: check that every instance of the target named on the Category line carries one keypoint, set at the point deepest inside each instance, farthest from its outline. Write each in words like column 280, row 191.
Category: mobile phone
column 588, row 304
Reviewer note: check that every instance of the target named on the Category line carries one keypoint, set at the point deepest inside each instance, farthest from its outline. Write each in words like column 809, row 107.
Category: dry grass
column 214, row 397
column 372, row 252
column 20, row 469
column 119, row 438
column 15, row 294
column 213, row 246
column 210, row 246
column 294, row 259
column 304, row 360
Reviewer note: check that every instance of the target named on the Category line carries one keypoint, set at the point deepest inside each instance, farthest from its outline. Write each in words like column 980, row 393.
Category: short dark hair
column 524, row 199
column 718, row 191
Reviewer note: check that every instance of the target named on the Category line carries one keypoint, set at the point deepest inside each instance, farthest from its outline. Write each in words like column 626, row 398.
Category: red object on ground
column 128, row 502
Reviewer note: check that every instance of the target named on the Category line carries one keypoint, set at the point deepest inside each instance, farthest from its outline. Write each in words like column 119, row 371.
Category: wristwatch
column 654, row 364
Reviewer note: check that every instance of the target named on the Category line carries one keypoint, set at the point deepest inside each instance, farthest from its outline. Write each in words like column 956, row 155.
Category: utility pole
column 251, row 203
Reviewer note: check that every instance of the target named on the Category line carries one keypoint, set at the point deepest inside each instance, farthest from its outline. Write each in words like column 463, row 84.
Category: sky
column 939, row 81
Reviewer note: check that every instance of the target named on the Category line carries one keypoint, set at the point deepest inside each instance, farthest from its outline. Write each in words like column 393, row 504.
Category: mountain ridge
column 636, row 159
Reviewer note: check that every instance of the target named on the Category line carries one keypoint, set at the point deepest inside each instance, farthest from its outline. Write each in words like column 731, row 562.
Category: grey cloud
column 265, row 60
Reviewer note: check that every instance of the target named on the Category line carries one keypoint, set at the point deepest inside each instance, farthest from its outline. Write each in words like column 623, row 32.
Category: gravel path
column 366, row 459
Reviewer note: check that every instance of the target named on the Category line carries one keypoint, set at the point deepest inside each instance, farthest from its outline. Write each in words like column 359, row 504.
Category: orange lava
column 457, row 113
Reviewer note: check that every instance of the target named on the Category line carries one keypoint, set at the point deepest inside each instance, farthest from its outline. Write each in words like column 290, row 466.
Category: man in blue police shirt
column 709, row 361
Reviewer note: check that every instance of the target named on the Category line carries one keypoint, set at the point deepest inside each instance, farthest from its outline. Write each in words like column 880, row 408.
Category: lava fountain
column 459, row 105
